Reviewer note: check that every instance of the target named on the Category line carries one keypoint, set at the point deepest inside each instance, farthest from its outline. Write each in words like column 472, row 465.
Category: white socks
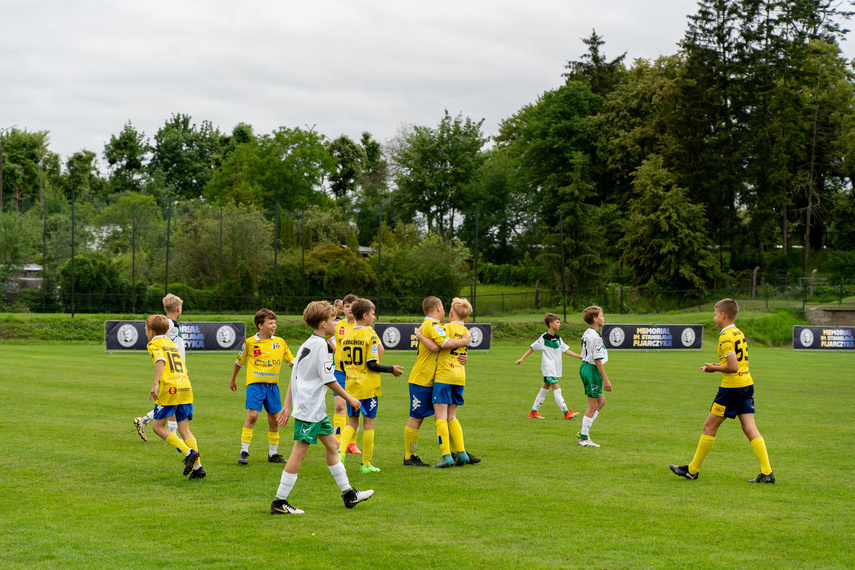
column 586, row 424
column 286, row 483
column 244, row 446
column 340, row 476
column 559, row 400
column 274, row 449
column 540, row 398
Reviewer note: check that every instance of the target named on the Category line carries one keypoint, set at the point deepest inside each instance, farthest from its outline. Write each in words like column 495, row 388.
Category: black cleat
column 189, row 460
column 472, row 459
column 198, row 473
column 244, row 458
column 414, row 461
column 352, row 497
column 770, row 478
column 683, row 472
column 282, row 507
column 276, row 458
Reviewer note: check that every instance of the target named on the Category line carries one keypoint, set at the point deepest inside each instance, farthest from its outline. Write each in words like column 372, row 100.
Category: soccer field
column 81, row 489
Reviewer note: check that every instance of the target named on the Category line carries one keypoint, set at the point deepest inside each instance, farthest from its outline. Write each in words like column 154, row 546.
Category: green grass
column 81, row 490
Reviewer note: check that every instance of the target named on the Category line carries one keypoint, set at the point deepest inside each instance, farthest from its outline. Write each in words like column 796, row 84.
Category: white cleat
column 587, row 443
column 139, row 423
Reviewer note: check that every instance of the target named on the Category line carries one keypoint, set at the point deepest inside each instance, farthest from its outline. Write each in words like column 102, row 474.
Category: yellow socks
column 456, row 432
column 367, row 446
column 758, row 444
column 246, row 436
column 175, row 441
column 411, row 441
column 346, row 434
column 339, row 421
column 442, row 437
column 704, row 447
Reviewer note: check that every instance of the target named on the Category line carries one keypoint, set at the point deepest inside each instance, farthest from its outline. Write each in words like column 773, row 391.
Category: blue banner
column 402, row 336
column 198, row 336
column 653, row 337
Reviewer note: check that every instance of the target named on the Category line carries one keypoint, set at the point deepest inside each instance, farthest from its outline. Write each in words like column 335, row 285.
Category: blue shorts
column 450, row 394
column 340, row 377
column 421, row 401
column 732, row 402
column 182, row 412
column 368, row 408
column 262, row 395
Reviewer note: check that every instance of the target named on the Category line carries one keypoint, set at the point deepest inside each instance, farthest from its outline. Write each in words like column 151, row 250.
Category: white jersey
column 593, row 348
column 313, row 370
column 553, row 348
column 174, row 334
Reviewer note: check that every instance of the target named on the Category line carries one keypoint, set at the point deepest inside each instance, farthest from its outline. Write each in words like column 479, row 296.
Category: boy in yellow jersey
column 361, row 349
column 172, row 394
column 448, row 387
column 422, row 376
column 172, row 306
column 264, row 354
column 311, row 376
column 735, row 397
column 342, row 328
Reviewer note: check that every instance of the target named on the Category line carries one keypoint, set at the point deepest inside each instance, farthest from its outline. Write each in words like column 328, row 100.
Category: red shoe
column 351, row 448
column 570, row 414
column 535, row 416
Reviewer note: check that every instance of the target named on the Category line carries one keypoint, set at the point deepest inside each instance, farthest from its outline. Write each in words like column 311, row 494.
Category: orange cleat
column 351, row 448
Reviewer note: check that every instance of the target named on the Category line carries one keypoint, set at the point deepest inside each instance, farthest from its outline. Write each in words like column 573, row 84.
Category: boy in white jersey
column 172, row 306
column 593, row 374
column 552, row 348
column 312, row 374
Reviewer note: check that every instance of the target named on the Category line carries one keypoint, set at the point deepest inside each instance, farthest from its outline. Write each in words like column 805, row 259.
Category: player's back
column 732, row 341
column 448, row 367
column 174, row 388
column 424, row 369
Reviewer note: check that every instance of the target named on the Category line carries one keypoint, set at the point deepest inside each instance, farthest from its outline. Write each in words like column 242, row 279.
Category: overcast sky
column 82, row 69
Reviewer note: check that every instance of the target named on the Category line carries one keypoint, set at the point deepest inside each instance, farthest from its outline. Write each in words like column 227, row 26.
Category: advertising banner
column 653, row 337
column 402, row 336
column 823, row 338
column 198, row 336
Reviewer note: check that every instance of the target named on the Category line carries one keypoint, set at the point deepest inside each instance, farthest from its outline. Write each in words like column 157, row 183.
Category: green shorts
column 309, row 432
column 550, row 380
column 591, row 379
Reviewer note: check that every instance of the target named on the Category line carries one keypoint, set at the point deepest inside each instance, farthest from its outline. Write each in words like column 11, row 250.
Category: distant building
column 29, row 277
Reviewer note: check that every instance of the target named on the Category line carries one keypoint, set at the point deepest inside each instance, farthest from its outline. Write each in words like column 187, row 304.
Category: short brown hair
column 171, row 303
column 158, row 324
column 262, row 316
column 360, row 308
column 461, row 307
column 349, row 299
column 729, row 307
column 316, row 312
column 590, row 313
column 430, row 303
column 549, row 317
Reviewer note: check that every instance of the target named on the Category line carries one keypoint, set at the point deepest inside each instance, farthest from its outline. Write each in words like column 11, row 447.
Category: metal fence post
column 168, row 223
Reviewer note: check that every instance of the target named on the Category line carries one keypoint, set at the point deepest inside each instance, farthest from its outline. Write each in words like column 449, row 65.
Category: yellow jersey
column 732, row 341
column 360, row 346
column 448, row 368
column 263, row 359
column 342, row 328
column 424, row 369
column 174, row 386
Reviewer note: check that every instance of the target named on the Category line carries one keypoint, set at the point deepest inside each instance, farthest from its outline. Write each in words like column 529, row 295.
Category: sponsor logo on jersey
column 173, row 390
column 276, row 345
column 256, row 351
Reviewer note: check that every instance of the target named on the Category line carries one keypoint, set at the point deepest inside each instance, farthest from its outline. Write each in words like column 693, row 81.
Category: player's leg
column 184, row 415
column 280, row 505
column 171, row 439
column 368, row 438
column 421, row 407
column 141, row 422
column 758, row 444
column 349, row 430
column 340, row 405
column 255, row 396
column 441, row 399
column 350, row 495
column 593, row 384
column 273, row 455
column 562, row 405
column 172, row 424
column 538, row 401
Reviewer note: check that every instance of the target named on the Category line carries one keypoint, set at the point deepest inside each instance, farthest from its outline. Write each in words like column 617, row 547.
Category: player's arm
column 375, row 366
column 524, row 356
column 453, row 343
column 427, row 342
column 569, row 352
column 729, row 367
column 158, row 370
column 607, row 386
column 232, row 382
column 339, row 391
column 283, row 416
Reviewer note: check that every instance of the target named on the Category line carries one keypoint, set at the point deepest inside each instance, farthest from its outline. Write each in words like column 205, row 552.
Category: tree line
column 683, row 172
